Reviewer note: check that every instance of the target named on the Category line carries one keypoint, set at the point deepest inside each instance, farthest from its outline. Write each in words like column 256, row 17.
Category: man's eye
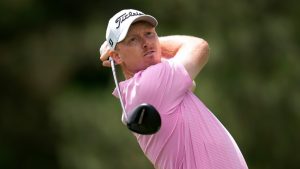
column 132, row 39
column 149, row 33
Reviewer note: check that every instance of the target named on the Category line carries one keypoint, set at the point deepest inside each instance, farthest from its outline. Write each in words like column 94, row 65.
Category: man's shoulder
column 164, row 64
column 152, row 73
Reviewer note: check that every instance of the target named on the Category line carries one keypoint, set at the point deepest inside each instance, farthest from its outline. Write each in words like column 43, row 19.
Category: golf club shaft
column 112, row 63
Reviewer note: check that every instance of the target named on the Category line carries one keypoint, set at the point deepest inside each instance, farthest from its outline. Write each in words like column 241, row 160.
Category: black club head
column 144, row 119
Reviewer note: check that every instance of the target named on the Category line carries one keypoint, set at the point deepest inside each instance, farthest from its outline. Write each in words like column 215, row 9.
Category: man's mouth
column 149, row 53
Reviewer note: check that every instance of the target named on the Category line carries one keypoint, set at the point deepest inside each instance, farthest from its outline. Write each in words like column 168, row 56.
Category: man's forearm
column 172, row 44
column 169, row 45
column 191, row 51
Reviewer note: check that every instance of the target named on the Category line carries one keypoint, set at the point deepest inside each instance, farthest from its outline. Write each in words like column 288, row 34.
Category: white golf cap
column 119, row 25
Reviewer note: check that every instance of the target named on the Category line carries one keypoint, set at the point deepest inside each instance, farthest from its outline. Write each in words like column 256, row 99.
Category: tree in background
column 55, row 94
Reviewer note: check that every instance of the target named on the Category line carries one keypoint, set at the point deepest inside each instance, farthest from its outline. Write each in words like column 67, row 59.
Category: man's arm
column 192, row 52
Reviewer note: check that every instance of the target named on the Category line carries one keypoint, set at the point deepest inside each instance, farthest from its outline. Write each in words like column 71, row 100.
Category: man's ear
column 115, row 56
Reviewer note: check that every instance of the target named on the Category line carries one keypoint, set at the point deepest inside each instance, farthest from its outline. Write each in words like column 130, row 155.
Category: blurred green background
column 56, row 107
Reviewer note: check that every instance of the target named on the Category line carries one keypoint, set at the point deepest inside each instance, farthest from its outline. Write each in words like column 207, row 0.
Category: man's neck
column 127, row 74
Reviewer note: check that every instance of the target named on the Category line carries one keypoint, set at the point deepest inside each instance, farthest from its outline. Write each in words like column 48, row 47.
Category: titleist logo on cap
column 125, row 16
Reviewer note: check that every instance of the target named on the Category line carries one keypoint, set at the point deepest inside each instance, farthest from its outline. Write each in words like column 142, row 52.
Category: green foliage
column 56, row 108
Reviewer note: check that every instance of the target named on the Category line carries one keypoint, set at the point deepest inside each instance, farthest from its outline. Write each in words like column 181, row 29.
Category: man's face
column 140, row 49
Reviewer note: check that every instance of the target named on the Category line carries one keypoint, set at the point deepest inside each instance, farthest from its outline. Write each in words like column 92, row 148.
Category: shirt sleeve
column 163, row 85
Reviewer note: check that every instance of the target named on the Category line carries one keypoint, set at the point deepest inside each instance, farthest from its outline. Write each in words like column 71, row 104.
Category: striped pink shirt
column 191, row 137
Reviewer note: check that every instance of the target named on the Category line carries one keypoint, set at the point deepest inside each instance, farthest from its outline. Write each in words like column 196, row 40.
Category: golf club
column 144, row 119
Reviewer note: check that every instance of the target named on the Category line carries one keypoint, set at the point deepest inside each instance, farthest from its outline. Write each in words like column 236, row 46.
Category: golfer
column 160, row 71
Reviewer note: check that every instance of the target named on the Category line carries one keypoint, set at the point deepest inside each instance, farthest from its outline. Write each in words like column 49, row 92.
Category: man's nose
column 145, row 43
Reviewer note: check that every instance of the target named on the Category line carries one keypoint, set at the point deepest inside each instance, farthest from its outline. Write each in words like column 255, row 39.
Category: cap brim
column 147, row 18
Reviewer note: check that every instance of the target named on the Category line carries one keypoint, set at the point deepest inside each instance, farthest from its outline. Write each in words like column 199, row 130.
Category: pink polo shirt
column 191, row 137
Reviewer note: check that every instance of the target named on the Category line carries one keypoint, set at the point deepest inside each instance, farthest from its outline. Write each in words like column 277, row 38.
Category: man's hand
column 104, row 54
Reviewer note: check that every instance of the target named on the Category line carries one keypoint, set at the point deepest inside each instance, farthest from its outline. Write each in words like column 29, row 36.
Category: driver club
column 144, row 119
